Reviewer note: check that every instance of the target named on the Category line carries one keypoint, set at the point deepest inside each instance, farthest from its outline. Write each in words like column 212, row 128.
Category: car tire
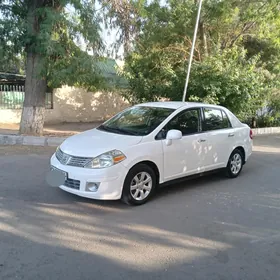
column 135, row 190
column 235, row 164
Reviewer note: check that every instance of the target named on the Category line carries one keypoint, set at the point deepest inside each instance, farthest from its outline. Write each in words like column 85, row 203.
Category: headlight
column 106, row 160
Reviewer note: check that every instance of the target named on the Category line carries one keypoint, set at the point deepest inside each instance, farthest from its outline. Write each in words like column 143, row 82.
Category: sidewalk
column 55, row 130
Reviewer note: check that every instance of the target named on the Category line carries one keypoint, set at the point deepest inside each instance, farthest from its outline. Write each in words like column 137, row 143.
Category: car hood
column 94, row 142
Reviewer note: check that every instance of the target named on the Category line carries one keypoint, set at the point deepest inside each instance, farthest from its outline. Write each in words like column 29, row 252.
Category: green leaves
column 79, row 70
column 60, row 26
column 124, row 16
column 239, row 69
column 230, row 80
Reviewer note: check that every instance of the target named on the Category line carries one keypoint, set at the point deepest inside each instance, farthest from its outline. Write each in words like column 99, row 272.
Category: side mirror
column 173, row 135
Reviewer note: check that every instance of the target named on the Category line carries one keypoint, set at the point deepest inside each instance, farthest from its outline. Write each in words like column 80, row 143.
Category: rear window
column 233, row 119
column 215, row 119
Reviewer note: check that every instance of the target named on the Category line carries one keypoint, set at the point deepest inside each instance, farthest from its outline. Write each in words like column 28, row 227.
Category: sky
column 109, row 39
column 108, row 36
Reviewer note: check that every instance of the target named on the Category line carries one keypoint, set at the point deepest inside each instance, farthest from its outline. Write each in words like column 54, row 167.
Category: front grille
column 72, row 160
column 73, row 184
column 79, row 161
column 62, row 157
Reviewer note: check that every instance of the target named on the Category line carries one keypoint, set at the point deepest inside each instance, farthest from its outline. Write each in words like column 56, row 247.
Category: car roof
column 176, row 104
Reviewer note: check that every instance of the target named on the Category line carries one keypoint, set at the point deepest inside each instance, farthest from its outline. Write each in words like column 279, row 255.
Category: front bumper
column 110, row 180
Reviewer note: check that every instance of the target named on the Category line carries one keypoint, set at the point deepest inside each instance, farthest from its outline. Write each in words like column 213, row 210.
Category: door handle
column 201, row 140
column 231, row 135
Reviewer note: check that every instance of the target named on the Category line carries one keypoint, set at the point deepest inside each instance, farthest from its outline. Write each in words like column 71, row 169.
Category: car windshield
column 138, row 120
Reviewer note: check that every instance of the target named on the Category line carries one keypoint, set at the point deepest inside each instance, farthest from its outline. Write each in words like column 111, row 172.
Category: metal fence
column 12, row 97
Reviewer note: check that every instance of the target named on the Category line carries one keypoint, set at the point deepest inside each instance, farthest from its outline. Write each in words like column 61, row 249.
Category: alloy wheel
column 141, row 186
column 236, row 163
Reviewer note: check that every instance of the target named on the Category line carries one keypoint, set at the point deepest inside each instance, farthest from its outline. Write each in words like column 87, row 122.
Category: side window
column 187, row 122
column 213, row 119
column 226, row 120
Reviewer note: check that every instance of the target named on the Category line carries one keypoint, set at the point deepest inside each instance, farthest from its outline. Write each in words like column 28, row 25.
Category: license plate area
column 56, row 177
column 59, row 172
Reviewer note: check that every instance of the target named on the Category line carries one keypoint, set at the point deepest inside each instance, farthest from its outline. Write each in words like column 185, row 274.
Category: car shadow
column 189, row 183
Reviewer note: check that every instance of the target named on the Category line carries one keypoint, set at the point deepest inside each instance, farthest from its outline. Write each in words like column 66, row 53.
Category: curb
column 266, row 130
column 30, row 140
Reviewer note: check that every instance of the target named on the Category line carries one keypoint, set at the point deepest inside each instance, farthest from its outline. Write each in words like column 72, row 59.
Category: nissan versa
column 131, row 154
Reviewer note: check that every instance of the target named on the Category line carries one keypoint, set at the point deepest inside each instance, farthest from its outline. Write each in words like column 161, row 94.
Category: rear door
column 220, row 137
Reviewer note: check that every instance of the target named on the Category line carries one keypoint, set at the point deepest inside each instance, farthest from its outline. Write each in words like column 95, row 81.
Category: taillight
column 251, row 133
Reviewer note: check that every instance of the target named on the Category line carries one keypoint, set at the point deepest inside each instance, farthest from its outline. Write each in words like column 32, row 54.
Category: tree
column 47, row 33
column 227, row 78
column 227, row 70
column 125, row 16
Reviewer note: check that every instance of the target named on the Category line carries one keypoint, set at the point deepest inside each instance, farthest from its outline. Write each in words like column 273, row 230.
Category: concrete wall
column 266, row 130
column 10, row 116
column 75, row 105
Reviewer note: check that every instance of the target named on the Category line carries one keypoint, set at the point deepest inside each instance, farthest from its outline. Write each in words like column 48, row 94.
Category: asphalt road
column 209, row 228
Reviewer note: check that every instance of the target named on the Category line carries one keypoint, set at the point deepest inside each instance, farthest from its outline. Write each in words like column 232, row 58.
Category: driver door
column 185, row 156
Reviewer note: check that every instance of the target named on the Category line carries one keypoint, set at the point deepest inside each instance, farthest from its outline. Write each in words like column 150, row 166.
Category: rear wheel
column 139, row 185
column 235, row 164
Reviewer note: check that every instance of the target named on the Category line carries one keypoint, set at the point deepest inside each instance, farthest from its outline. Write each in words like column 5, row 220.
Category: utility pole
column 192, row 50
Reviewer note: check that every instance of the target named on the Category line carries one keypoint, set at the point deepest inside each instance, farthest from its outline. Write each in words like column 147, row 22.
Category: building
column 66, row 104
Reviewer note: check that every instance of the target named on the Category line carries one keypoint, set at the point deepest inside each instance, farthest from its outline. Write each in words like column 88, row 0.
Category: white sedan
column 146, row 145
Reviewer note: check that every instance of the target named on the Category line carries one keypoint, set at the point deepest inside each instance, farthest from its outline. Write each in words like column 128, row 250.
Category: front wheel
column 139, row 185
column 235, row 164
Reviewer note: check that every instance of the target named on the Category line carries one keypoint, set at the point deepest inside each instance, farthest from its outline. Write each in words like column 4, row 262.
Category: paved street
column 209, row 228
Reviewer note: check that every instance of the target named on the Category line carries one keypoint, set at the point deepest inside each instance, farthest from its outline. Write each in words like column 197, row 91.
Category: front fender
column 151, row 152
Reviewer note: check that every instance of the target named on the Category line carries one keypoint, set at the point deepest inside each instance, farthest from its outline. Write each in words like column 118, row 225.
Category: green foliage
column 273, row 105
column 61, row 26
column 267, row 51
column 225, row 78
column 239, row 69
column 229, row 79
column 230, row 21
column 269, row 115
column 267, row 121
column 125, row 17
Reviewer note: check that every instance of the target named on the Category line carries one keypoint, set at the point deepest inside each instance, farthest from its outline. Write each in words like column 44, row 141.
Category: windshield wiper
column 118, row 130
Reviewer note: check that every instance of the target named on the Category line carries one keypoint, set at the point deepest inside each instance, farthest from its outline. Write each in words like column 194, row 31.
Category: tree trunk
column 126, row 45
column 33, row 113
column 202, row 34
column 203, row 38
